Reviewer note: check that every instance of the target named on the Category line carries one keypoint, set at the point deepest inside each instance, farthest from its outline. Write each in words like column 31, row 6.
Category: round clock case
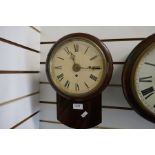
column 138, row 78
column 91, row 100
column 108, row 68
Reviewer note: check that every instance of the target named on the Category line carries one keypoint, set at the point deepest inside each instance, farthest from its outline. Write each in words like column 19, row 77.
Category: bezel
column 109, row 64
column 128, row 82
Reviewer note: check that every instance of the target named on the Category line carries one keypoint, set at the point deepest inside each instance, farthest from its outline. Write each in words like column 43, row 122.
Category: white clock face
column 77, row 67
column 145, row 79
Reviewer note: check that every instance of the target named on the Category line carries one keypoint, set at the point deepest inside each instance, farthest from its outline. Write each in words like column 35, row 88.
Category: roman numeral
column 93, row 77
column 86, row 85
column 77, row 88
column 58, row 67
column 67, row 50
column 86, row 50
column 145, row 79
column 93, row 57
column 60, row 58
column 60, row 77
column 148, row 91
column 147, row 63
column 76, row 47
column 67, row 84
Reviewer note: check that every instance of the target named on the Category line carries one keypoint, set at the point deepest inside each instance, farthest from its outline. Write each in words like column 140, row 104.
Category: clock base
column 81, row 115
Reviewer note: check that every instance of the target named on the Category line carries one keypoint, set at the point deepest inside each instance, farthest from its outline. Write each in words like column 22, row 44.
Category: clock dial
column 138, row 78
column 76, row 71
column 77, row 66
column 144, row 75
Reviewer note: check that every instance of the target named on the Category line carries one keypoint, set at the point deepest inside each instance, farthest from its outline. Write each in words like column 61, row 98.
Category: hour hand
column 72, row 56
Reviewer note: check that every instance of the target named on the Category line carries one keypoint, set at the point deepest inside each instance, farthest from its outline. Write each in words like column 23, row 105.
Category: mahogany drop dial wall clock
column 139, row 78
column 79, row 67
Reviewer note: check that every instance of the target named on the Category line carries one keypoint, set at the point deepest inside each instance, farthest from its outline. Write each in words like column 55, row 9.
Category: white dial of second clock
column 145, row 80
column 77, row 67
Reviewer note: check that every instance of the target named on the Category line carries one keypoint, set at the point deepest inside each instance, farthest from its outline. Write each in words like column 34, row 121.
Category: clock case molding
column 92, row 103
column 126, row 77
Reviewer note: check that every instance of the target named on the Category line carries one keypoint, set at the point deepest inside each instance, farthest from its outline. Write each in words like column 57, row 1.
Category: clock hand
column 94, row 67
column 147, row 63
column 72, row 57
column 91, row 67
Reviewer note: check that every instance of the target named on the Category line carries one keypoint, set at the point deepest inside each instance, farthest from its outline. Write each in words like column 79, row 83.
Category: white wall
column 19, row 77
column 116, row 112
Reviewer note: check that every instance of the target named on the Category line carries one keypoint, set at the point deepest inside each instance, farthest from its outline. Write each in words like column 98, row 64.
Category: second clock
column 138, row 78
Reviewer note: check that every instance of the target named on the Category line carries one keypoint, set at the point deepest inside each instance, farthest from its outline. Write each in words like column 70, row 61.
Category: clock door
column 79, row 115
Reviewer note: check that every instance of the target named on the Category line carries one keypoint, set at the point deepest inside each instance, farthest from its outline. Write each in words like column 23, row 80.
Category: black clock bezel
column 127, row 78
column 108, row 59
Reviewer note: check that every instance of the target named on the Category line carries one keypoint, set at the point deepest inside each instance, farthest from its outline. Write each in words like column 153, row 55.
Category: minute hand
column 91, row 67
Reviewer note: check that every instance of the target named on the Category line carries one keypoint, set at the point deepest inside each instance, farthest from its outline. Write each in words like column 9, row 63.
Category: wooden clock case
column 92, row 103
column 126, row 77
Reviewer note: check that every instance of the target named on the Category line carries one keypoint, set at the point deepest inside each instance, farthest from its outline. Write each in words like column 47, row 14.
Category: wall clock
column 79, row 67
column 138, row 78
